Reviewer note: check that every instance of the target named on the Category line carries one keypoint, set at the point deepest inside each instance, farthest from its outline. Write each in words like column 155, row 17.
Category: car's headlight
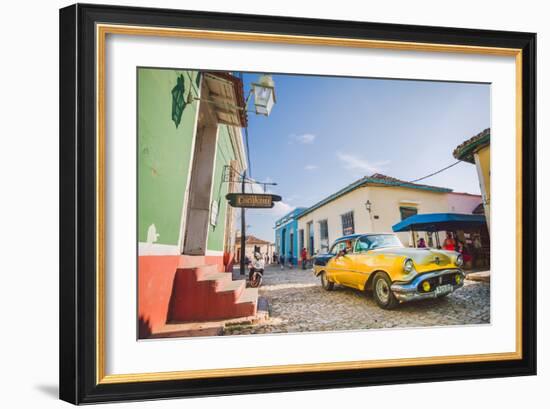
column 408, row 265
column 459, row 260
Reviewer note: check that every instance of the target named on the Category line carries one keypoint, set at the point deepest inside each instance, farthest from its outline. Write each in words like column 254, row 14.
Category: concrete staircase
column 202, row 293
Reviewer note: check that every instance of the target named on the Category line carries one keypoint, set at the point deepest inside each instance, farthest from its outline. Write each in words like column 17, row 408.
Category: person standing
column 466, row 256
column 477, row 250
column 449, row 243
column 290, row 261
column 303, row 255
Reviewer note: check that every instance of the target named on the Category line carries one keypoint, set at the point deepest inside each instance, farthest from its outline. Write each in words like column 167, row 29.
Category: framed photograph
column 257, row 203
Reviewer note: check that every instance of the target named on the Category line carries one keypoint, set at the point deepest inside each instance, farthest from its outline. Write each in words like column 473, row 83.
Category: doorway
column 202, row 173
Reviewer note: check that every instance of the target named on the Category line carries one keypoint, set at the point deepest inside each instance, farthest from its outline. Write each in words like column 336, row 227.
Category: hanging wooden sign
column 252, row 200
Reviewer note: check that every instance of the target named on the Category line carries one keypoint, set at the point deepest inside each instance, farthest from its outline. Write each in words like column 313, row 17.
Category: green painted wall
column 224, row 155
column 164, row 152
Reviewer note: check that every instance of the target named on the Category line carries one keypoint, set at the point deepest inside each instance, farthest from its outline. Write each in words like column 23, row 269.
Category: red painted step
column 202, row 293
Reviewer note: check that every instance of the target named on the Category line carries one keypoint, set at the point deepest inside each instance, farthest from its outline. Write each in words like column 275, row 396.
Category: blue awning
column 439, row 222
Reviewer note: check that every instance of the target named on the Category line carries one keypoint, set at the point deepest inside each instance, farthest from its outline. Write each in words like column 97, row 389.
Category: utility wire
column 250, row 167
column 435, row 173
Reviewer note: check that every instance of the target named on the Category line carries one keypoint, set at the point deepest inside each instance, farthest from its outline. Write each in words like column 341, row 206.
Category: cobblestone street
column 297, row 303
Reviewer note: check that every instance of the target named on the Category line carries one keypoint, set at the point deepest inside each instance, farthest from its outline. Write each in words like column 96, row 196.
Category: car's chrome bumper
column 409, row 291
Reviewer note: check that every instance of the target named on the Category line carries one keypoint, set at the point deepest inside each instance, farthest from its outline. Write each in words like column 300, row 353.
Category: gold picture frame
column 97, row 23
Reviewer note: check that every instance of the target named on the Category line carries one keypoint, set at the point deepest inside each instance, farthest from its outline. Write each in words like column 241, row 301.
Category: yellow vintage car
column 394, row 273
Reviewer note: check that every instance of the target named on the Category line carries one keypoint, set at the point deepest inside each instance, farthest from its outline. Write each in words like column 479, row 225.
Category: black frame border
column 77, row 255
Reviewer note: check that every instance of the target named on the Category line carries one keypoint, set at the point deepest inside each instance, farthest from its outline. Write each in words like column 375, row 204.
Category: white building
column 254, row 244
column 373, row 204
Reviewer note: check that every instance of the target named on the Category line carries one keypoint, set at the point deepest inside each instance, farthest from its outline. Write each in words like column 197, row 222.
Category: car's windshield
column 376, row 241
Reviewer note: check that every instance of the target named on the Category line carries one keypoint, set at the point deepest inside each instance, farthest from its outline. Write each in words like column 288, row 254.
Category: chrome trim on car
column 408, row 291
column 407, row 259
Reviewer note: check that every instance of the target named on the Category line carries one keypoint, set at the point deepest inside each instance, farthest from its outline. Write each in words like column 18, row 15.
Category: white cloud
column 258, row 187
column 353, row 162
column 305, row 138
column 254, row 188
column 311, row 167
column 281, row 208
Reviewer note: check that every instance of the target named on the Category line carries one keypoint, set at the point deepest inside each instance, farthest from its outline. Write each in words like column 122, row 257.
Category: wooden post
column 243, row 228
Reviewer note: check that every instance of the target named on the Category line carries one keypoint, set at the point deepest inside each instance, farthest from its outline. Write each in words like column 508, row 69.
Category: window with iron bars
column 348, row 225
column 323, row 235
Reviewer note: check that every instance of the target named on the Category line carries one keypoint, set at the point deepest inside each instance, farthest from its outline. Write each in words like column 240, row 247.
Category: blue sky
column 326, row 132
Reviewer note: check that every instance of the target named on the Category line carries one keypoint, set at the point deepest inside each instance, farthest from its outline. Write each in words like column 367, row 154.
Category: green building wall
column 224, row 156
column 164, row 152
column 164, row 158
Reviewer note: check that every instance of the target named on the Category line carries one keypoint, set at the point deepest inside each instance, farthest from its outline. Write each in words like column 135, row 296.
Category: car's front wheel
column 327, row 285
column 382, row 293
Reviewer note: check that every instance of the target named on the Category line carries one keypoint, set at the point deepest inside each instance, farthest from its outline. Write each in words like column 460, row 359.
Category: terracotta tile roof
column 465, row 151
column 389, row 180
column 251, row 239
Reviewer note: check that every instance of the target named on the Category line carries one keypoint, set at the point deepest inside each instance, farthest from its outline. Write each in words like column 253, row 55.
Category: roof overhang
column 227, row 98
column 440, row 221
column 466, row 150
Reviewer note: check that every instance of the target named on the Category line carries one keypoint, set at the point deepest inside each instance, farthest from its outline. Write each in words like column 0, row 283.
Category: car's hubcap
column 382, row 291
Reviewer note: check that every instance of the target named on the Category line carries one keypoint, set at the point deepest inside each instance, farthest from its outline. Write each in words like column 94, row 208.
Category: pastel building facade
column 287, row 241
column 370, row 204
column 466, row 203
column 477, row 151
column 190, row 149
column 252, row 245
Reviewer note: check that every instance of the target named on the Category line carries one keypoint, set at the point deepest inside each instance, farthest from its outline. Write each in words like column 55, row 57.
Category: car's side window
column 336, row 248
column 342, row 245
column 363, row 244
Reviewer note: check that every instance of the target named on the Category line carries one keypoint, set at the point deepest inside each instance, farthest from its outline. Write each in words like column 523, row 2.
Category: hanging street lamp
column 264, row 95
